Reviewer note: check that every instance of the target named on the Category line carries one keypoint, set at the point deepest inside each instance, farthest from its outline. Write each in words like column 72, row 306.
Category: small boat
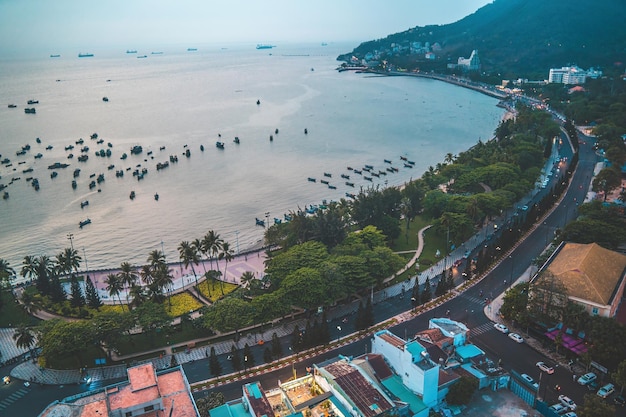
column 85, row 55
column 390, row 169
column 276, row 132
column 381, row 172
column 124, row 156
column 157, row 53
column 350, row 169
column 109, row 144
column 83, row 158
column 202, row 148
column 30, row 110
column 236, row 140
column 100, row 178
column 156, row 196
column 80, row 141
column 5, row 196
column 219, row 145
column 38, row 140
column 76, row 172
column 84, row 203
column 375, row 174
column 105, row 99
column 332, row 187
column 192, row 49
column 32, row 102
column 74, row 184
column 131, row 51
column 12, row 106
column 367, row 178
column 277, row 220
column 259, row 222
column 69, row 147
column 311, row 179
column 264, row 46
column 287, row 217
column 327, row 174
column 408, row 166
column 357, row 171
column 161, row 165
column 350, row 184
column 324, row 182
column 110, row 167
column 84, row 223
column 57, row 165
column 92, row 175
column 410, row 162
column 92, row 185
column 142, row 56
column 369, row 167
column 27, row 170
column 306, row 131
column 100, row 141
column 136, row 150
column 132, row 195
column 345, row 176
column 54, row 174
column 49, row 147
column 55, row 56
column 187, row 153
column 271, row 138
column 119, row 173
column 84, row 149
column 366, row 169
column 350, row 195
column 387, row 161
column 404, row 158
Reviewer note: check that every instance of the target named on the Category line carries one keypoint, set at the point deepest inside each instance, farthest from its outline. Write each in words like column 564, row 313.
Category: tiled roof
column 588, row 271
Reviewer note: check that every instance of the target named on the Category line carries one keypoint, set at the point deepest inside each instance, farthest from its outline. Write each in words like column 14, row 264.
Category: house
column 147, row 393
column 593, row 276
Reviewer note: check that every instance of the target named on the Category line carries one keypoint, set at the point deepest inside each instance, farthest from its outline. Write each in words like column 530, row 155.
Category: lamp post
column 339, row 334
column 70, row 236
column 267, row 219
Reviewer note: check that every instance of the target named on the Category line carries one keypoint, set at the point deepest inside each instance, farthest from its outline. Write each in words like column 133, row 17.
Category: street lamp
column 70, row 236
column 267, row 219
column 339, row 334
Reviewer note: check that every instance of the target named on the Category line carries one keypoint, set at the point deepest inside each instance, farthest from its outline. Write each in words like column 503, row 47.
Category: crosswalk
column 482, row 329
column 12, row 398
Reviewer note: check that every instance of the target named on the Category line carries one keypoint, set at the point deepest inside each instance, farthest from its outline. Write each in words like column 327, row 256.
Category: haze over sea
column 188, row 98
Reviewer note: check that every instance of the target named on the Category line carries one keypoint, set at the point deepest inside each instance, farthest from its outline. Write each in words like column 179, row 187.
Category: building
column 572, row 75
column 146, row 393
column 593, row 276
column 469, row 64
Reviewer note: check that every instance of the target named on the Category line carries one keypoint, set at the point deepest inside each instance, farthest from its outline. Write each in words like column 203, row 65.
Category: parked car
column 558, row 408
column 570, row 414
column 567, row 402
column 619, row 400
column 516, row 337
column 501, row 328
column 606, row 390
column 545, row 368
column 529, row 379
column 588, row 378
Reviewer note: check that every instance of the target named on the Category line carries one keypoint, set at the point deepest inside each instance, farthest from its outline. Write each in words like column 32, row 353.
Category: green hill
column 517, row 38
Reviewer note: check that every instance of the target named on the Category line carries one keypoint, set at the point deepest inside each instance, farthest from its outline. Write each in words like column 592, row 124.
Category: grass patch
column 212, row 291
column 87, row 357
column 12, row 313
column 404, row 244
column 182, row 303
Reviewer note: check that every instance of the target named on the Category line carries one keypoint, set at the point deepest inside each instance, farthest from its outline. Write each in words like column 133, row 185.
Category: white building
column 411, row 362
column 572, row 75
column 469, row 64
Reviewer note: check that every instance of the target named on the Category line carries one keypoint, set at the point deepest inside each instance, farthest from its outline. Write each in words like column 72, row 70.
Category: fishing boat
column 404, row 158
column 345, row 176
column 408, row 166
column 350, row 195
column 131, row 51
column 264, row 46
column 311, row 179
column 5, row 196
column 327, row 174
column 136, row 150
column 259, row 222
column 30, row 110
column 57, row 165
column 55, row 56
column 156, row 196
column 277, row 220
column 236, row 140
column 219, row 145
column 132, row 195
column 74, row 184
column 202, row 148
column 54, row 174
column 32, row 102
column 12, row 106
column 85, row 55
column 332, row 187
column 350, row 184
column 367, row 178
column 76, row 172
column 192, row 49
column 357, row 171
column 369, row 167
column 324, row 182
column 287, row 217
column 84, row 203
column 84, row 223
column 105, row 99
column 387, row 161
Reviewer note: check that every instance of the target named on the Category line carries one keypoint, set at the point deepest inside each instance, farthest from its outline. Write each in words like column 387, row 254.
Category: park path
column 418, row 252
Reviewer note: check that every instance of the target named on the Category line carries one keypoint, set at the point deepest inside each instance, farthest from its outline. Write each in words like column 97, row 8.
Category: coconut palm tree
column 163, row 278
column 147, row 277
column 24, row 337
column 138, row 295
column 246, row 279
column 6, row 272
column 211, row 245
column 114, row 286
column 127, row 275
column 227, row 255
column 197, row 244
column 68, row 260
column 189, row 255
column 28, row 303
column 29, row 267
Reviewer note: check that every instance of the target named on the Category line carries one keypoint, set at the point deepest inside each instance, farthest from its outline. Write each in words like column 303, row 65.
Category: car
column 619, row 400
column 545, row 368
column 516, row 337
column 6, row 380
column 567, row 402
column 588, row 378
column 501, row 328
column 606, row 390
column 524, row 208
column 570, row 414
column 530, row 380
column 558, row 408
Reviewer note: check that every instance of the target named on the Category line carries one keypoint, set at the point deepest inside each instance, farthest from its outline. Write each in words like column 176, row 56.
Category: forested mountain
column 518, row 38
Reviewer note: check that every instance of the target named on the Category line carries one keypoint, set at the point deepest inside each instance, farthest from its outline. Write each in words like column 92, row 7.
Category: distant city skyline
column 85, row 24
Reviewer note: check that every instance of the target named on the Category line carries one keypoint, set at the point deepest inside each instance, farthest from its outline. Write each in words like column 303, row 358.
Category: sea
column 171, row 100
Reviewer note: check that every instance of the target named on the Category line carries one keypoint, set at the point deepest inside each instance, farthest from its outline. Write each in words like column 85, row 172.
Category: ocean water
column 181, row 100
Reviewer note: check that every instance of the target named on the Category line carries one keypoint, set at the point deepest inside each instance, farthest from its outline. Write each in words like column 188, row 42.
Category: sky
column 85, row 24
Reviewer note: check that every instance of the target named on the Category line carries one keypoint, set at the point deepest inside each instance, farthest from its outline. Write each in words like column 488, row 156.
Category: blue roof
column 396, row 387
column 254, row 390
column 468, row 351
column 229, row 410
column 339, row 406
column 414, row 348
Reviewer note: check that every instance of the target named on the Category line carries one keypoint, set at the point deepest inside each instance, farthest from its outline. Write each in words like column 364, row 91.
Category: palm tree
column 28, row 303
column 211, row 245
column 6, row 272
column 127, row 275
column 227, row 255
column 24, row 337
column 246, row 279
column 197, row 244
column 189, row 256
column 146, row 274
column 30, row 265
column 137, row 294
column 68, row 260
column 114, row 286
column 163, row 278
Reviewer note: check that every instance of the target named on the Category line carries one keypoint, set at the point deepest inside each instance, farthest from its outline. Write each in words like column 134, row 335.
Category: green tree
column 606, row 181
column 209, row 401
column 594, row 406
column 277, row 349
column 227, row 255
column 127, row 275
column 305, row 287
column 111, row 328
column 6, row 273
column 78, row 299
column 114, row 286
column 214, row 364
column 619, row 376
column 57, row 292
column 228, row 314
column 235, row 357
column 62, row 339
column 461, row 393
column 93, row 298
column 267, row 355
column 426, row 292
column 152, row 318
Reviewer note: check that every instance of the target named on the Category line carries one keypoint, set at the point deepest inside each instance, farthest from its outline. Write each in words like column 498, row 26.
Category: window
column 148, row 408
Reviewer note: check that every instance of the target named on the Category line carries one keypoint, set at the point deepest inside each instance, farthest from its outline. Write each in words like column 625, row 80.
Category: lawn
column 213, row 292
column 401, row 244
column 182, row 303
